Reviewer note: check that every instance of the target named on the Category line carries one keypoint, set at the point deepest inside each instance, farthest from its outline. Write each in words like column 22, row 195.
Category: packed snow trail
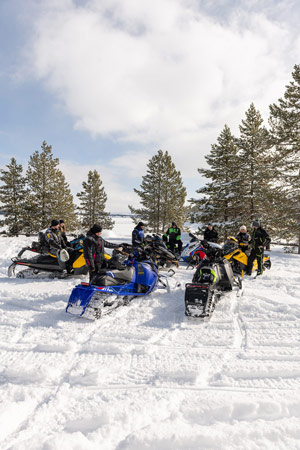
column 145, row 376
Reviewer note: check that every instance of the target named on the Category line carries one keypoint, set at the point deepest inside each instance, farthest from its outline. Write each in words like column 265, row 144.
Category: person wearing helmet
column 243, row 238
column 172, row 237
column 210, row 233
column 259, row 239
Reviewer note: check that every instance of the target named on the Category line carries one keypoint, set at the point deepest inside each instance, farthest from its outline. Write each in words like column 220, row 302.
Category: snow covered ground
column 145, row 377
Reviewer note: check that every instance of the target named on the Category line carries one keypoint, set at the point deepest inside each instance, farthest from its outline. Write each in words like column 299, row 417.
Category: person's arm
column 266, row 239
column 178, row 237
column 109, row 244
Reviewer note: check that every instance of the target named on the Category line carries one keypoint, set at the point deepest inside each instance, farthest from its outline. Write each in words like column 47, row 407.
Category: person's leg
column 179, row 246
column 172, row 245
column 259, row 257
column 251, row 258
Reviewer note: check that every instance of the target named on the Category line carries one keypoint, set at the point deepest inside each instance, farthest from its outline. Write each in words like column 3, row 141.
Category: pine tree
column 285, row 130
column 92, row 202
column 12, row 197
column 162, row 194
column 255, row 169
column 63, row 206
column 218, row 202
column 48, row 194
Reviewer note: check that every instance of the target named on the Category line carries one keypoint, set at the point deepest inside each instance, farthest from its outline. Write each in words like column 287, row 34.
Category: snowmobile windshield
column 229, row 246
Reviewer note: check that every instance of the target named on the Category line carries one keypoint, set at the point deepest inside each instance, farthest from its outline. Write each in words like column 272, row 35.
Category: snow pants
column 256, row 253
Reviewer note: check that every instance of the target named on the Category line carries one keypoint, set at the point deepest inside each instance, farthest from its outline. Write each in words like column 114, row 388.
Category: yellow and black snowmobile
column 46, row 265
column 233, row 252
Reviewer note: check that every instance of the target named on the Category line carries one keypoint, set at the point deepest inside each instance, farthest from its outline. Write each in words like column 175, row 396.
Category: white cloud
column 160, row 73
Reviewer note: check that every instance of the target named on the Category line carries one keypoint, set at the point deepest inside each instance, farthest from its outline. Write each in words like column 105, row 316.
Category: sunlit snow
column 146, row 377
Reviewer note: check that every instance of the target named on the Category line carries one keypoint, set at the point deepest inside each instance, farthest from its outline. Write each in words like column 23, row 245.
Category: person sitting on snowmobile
column 173, row 236
column 53, row 237
column 93, row 250
column 54, row 242
column 259, row 239
column 243, row 238
column 138, row 236
column 210, row 234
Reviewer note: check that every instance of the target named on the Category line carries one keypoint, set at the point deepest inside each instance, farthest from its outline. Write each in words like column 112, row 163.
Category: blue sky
column 109, row 82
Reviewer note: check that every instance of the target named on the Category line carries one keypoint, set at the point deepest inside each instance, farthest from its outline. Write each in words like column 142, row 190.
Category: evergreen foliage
column 48, row 195
column 255, row 169
column 162, row 194
column 63, row 206
column 218, row 203
column 285, row 130
column 92, row 202
column 12, row 196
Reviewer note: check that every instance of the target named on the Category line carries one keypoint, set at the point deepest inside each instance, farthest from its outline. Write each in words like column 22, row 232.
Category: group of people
column 93, row 245
column 172, row 236
column 257, row 241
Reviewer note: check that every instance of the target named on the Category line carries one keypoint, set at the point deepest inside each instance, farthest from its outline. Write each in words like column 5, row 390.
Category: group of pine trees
column 253, row 176
column 30, row 201
column 256, row 175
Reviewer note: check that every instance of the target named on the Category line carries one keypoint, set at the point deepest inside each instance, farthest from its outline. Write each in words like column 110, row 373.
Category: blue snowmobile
column 113, row 288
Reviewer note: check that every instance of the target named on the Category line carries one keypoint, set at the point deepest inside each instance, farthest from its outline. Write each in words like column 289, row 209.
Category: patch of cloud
column 164, row 74
column 141, row 86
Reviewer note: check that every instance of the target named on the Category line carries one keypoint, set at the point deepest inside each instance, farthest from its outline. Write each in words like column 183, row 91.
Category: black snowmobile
column 44, row 264
column 212, row 279
column 157, row 250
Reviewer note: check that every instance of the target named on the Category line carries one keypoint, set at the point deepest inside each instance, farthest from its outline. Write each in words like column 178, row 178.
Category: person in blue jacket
column 138, row 236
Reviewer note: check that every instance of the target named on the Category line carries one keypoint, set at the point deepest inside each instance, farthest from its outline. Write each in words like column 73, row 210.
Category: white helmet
column 243, row 229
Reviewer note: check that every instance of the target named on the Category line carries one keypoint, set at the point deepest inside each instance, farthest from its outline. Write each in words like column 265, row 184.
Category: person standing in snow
column 259, row 239
column 173, row 237
column 93, row 250
column 138, row 235
column 210, row 234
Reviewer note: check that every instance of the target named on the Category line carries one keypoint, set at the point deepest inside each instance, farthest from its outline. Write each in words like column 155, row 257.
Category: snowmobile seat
column 40, row 259
column 113, row 277
column 227, row 278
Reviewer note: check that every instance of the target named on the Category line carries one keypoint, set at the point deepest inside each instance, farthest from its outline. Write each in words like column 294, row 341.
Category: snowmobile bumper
column 200, row 300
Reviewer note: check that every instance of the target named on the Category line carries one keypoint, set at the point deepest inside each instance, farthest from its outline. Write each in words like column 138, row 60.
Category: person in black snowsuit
column 54, row 242
column 93, row 250
column 53, row 237
column 173, row 236
column 259, row 239
column 210, row 234
column 138, row 236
